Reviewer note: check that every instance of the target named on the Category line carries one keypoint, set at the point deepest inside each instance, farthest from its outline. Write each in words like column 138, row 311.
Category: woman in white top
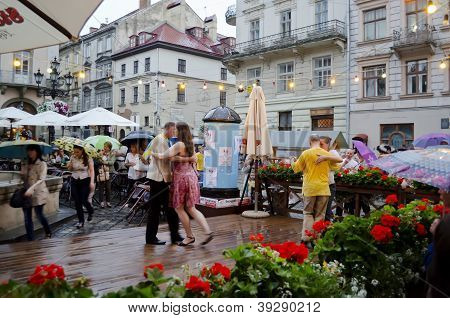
column 137, row 171
column 83, row 176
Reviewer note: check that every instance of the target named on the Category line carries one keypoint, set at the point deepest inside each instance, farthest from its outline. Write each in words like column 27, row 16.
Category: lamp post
column 56, row 81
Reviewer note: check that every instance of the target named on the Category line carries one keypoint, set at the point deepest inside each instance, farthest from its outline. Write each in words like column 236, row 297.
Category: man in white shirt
column 325, row 144
column 349, row 162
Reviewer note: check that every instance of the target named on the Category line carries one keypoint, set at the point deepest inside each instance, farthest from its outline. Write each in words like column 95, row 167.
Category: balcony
column 417, row 40
column 230, row 15
column 13, row 79
column 331, row 30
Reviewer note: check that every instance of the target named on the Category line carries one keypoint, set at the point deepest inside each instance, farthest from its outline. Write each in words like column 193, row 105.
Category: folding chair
column 141, row 194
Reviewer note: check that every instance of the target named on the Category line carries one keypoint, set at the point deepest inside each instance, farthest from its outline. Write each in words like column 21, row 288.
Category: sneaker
column 79, row 225
column 89, row 217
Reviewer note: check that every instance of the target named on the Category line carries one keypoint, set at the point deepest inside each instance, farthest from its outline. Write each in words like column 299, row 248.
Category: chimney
column 211, row 27
column 92, row 29
column 144, row 4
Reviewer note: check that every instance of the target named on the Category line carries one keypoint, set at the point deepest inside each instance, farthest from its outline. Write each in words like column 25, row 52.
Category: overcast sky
column 114, row 9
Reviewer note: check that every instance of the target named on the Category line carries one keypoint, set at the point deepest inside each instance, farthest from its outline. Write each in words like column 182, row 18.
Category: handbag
column 18, row 199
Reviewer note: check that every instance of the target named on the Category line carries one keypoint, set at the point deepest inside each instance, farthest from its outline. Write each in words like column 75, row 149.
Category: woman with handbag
column 185, row 189
column 82, row 183
column 34, row 173
column 103, row 178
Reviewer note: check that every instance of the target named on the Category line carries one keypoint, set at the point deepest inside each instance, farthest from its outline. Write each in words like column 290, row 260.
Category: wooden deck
column 115, row 259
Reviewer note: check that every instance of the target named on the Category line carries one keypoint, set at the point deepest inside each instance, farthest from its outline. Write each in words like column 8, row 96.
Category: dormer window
column 196, row 32
column 144, row 37
column 134, row 41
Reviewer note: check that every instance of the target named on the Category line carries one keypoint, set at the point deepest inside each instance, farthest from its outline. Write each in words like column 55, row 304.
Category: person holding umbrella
column 83, row 176
column 33, row 173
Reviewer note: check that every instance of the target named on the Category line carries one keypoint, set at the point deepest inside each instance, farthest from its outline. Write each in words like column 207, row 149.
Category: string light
column 443, row 65
column 445, row 22
column 221, row 87
column 431, row 8
column 49, row 70
column 17, row 63
column 163, row 84
column 205, row 86
column 356, row 79
column 140, row 82
column 384, row 75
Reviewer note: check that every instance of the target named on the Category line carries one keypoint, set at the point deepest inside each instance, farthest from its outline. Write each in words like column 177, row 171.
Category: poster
column 210, row 178
column 210, row 137
column 225, row 156
column 208, row 153
column 237, row 144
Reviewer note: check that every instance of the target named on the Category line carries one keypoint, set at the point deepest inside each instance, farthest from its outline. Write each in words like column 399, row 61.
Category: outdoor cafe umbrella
column 48, row 118
column 17, row 149
column 430, row 166
column 12, row 115
column 430, row 140
column 99, row 141
column 29, row 24
column 99, row 117
column 256, row 139
column 365, row 152
column 136, row 136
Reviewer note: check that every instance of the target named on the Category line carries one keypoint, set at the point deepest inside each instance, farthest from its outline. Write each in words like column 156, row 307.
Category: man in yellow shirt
column 200, row 163
column 315, row 163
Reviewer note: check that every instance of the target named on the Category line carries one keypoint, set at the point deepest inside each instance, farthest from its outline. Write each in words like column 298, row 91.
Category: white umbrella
column 99, row 117
column 32, row 24
column 13, row 114
column 48, row 118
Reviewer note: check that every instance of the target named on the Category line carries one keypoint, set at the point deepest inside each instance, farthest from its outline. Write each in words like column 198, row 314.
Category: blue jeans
column 28, row 217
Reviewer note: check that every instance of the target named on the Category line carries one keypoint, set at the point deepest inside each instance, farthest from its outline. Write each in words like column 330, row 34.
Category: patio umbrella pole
column 256, row 162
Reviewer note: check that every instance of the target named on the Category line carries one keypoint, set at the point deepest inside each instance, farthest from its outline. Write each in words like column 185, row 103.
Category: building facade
column 400, row 86
column 296, row 50
column 71, row 61
column 168, row 66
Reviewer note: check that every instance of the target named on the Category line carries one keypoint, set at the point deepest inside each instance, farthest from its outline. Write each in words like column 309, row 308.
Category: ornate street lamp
column 56, row 80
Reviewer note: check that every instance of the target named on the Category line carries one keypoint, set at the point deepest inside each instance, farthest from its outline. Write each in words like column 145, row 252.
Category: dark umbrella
column 136, row 136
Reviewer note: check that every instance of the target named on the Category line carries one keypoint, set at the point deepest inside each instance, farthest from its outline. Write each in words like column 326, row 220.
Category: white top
column 139, row 170
column 79, row 170
column 350, row 164
column 331, row 173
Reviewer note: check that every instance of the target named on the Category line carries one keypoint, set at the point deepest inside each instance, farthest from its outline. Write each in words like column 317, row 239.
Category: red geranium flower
column 421, row 207
column 310, row 234
column 198, row 285
column 346, row 171
column 384, row 177
column 361, row 168
column 43, row 273
column 391, row 199
column 256, row 238
column 400, row 180
column 369, row 174
column 274, row 169
column 321, row 225
column 420, row 229
column 401, row 206
column 291, row 251
column 425, row 200
column 152, row 266
column 390, row 220
column 339, row 174
column 218, row 268
column 438, row 208
column 381, row 233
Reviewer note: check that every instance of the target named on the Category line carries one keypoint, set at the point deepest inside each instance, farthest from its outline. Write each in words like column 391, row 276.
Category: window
column 285, row 121
column 375, row 24
column 253, row 74
column 135, row 94
column 146, row 121
column 122, row 96
column 133, row 41
column 136, row 67
column 223, row 74
column 123, row 70
column 100, row 70
column 100, row 97
column 108, row 99
column 181, row 93
column 99, row 46
column 86, row 100
column 223, row 98
column 321, row 11
column 254, row 30
column 147, row 64
column 286, row 23
column 373, row 81
column 181, row 66
column 147, row 92
column 108, row 43
column 67, row 61
column 416, row 14
column 24, row 67
column 285, row 76
column 322, row 71
column 87, row 51
column 76, row 58
column 417, row 74
column 108, row 68
column 322, row 119
column 397, row 135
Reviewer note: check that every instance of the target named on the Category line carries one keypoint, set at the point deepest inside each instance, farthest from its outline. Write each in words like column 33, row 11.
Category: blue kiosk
column 222, row 141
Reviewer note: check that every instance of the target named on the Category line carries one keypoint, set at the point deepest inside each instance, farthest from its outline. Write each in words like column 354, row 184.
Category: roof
column 169, row 35
column 300, row 139
column 222, row 114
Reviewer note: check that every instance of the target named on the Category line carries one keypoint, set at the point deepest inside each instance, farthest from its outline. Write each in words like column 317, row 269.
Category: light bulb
column 17, row 63
column 384, row 75
column 182, row 86
column 443, row 65
column 333, row 81
column 415, row 28
column 291, row 85
column 82, row 74
column 163, row 84
column 356, row 79
column 49, row 70
column 140, row 82
column 205, row 86
column 221, row 87
column 431, row 8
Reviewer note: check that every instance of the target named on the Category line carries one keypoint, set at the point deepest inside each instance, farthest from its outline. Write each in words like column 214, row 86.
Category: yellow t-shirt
column 315, row 176
column 200, row 161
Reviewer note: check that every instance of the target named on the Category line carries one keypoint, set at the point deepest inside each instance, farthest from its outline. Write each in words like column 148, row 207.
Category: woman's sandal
column 209, row 238
column 192, row 241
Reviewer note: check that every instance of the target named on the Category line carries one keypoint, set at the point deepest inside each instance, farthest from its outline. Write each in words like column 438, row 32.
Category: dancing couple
column 179, row 180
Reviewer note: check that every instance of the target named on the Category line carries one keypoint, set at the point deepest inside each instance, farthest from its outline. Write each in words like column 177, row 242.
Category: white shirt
column 350, row 164
column 331, row 173
column 139, row 170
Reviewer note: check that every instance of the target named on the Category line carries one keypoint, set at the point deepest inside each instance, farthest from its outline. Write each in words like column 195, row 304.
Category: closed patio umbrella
column 256, row 140
column 99, row 117
column 30, row 24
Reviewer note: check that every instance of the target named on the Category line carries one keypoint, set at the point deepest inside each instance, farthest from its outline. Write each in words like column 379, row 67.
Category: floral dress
column 185, row 190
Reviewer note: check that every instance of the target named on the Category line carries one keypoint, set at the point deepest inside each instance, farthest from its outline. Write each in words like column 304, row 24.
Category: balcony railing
column 416, row 35
column 230, row 15
column 10, row 77
column 312, row 33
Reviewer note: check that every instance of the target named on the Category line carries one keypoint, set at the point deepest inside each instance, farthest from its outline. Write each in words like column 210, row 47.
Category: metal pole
column 348, row 74
column 256, row 160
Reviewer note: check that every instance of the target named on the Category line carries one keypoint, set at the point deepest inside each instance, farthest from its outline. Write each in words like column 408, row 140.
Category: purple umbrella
column 429, row 140
column 364, row 151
